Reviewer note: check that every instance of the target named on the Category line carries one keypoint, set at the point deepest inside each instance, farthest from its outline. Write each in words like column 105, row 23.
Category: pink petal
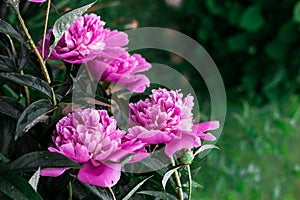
column 186, row 140
column 150, row 136
column 54, row 172
column 102, row 175
column 206, row 126
column 207, row 136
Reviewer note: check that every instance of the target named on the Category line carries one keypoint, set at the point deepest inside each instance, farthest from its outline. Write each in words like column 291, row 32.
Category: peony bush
column 49, row 140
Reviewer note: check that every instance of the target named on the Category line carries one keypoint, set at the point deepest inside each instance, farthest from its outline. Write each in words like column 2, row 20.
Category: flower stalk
column 45, row 28
column 190, row 182
column 37, row 53
column 178, row 182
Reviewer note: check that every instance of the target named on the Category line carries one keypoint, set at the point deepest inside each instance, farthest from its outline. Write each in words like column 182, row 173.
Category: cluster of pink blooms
column 103, row 50
column 91, row 137
column 166, row 118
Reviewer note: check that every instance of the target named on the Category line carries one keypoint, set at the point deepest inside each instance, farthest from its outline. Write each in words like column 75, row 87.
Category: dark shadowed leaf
column 7, row 63
column 100, row 193
column 167, row 175
column 6, row 28
column 7, row 135
column 16, row 187
column 3, row 158
column 129, row 195
column 29, row 81
column 64, row 22
column 34, row 160
column 23, row 57
column 33, row 114
column 10, row 107
column 159, row 195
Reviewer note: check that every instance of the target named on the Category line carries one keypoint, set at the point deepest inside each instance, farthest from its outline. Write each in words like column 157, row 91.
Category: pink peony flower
column 87, row 39
column 37, row 1
column 166, row 118
column 91, row 138
column 122, row 70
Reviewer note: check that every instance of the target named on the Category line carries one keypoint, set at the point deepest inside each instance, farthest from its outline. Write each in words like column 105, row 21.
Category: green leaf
column 33, row 114
column 6, row 28
column 29, row 81
column 99, row 192
column 34, row 180
column 159, row 195
column 63, row 23
column 7, row 63
column 129, row 195
column 296, row 12
column 16, row 187
column 14, row 4
column 205, row 147
column 7, row 135
column 252, row 20
column 34, row 160
column 167, row 175
column 10, row 107
column 3, row 158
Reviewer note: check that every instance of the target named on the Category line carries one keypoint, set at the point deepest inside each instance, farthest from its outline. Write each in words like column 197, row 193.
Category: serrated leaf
column 16, row 187
column 34, row 180
column 8, row 29
column 167, row 175
column 34, row 160
column 205, row 147
column 129, row 195
column 63, row 23
column 252, row 20
column 159, row 194
column 33, row 114
column 10, row 107
column 29, row 81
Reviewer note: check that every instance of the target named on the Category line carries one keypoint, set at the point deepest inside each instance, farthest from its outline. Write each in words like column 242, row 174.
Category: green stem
column 70, row 191
column 37, row 53
column 178, row 182
column 112, row 193
column 45, row 28
column 190, row 182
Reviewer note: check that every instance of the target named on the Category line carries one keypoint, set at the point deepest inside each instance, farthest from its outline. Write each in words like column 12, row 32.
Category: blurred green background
column 256, row 46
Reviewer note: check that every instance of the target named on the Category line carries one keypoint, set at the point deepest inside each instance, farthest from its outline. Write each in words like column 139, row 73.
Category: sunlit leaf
column 205, row 147
column 34, row 180
column 296, row 12
column 167, row 175
column 129, row 195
